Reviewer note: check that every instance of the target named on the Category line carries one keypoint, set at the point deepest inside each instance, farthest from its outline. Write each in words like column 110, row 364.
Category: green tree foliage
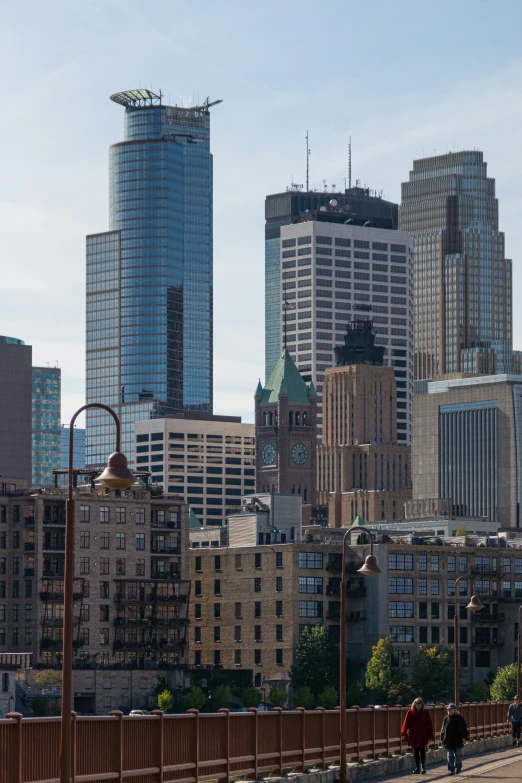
column 329, row 698
column 47, row 678
column 355, row 695
column 461, row 531
column 251, row 697
column 303, row 697
column 480, row 692
column 316, row 661
column 278, row 696
column 402, row 694
column 196, row 699
column 433, row 673
column 165, row 700
column 381, row 673
column 504, row 686
column 42, row 707
column 222, row 697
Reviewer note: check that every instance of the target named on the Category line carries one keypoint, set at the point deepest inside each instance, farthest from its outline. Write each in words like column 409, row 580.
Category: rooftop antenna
column 350, row 163
column 307, row 163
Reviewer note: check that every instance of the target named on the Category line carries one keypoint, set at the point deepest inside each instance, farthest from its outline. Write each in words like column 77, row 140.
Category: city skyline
column 56, row 189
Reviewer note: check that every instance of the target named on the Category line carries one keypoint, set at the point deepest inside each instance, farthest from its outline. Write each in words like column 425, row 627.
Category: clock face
column 269, row 454
column 299, row 453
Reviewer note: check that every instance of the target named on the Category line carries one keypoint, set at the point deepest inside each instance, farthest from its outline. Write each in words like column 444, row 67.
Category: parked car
column 138, row 713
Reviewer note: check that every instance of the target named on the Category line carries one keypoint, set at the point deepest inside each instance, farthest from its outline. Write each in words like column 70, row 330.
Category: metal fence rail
column 193, row 747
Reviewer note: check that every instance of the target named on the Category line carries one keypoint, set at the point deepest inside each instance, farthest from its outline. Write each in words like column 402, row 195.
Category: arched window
column 265, row 419
column 297, row 417
column 305, row 419
column 270, row 419
column 290, row 417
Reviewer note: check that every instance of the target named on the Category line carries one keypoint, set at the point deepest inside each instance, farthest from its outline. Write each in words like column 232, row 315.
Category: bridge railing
column 199, row 746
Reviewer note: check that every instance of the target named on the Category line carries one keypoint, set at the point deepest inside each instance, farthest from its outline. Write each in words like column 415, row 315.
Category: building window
column 105, row 590
column 197, row 611
column 197, row 658
column 423, row 586
column 104, row 540
column 452, row 563
column 401, row 608
column 435, row 587
column 279, row 559
column 140, row 566
column 198, row 564
column 104, row 636
column 451, row 586
column 237, row 657
column 257, row 560
column 435, row 610
column 104, row 513
column 310, row 608
column 279, row 608
column 279, row 584
column 401, row 633
column 423, row 610
column 140, row 516
column 140, row 540
column 311, row 560
column 405, row 657
column 279, row 657
column 257, row 657
column 120, row 540
column 217, row 586
column 237, row 633
column 217, row 562
column 120, row 566
column 423, row 562
column 85, row 539
column 217, row 657
column 400, row 584
column 435, row 634
column 238, row 562
column 434, row 562
column 257, row 608
column 400, row 562
column 85, row 513
column 217, row 633
column 463, row 564
column 310, row 584
column 279, row 633
column 120, row 515
column 237, row 610
column 217, row 611
column 84, row 565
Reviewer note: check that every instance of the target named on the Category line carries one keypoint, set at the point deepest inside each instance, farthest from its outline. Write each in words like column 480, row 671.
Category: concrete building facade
column 207, row 460
column 468, row 446
column 15, row 408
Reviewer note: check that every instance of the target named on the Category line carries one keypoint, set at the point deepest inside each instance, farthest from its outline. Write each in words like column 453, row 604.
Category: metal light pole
column 115, row 476
column 475, row 605
column 518, row 654
column 370, row 568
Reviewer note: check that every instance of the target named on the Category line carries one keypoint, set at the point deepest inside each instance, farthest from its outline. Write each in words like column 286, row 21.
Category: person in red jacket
column 418, row 729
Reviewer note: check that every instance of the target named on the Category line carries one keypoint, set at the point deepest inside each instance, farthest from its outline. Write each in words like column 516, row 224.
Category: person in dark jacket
column 418, row 729
column 452, row 735
column 515, row 715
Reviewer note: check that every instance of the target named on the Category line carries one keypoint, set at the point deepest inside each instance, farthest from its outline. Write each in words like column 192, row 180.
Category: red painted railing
column 193, row 747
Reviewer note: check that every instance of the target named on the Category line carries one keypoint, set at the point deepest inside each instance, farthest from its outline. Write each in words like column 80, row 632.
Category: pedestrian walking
column 452, row 735
column 515, row 715
column 418, row 729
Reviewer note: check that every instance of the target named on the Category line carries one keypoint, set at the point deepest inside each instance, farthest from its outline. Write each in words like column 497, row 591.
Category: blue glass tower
column 149, row 279
column 47, row 383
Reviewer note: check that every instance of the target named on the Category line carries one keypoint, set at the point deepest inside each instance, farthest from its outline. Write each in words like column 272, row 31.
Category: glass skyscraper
column 149, row 278
column 463, row 318
column 46, row 425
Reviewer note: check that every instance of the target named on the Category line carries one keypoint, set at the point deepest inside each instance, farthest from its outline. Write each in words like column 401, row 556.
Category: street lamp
column 369, row 568
column 475, row 605
column 115, row 476
column 518, row 654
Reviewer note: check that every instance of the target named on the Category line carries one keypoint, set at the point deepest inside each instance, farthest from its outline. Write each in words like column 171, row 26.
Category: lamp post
column 369, row 568
column 115, row 476
column 475, row 605
column 518, row 653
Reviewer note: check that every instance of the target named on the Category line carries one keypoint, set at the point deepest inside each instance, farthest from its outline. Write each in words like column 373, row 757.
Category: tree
column 316, row 661
column 433, row 673
column 402, row 694
column 165, row 701
column 355, row 695
column 47, row 678
column 329, row 698
column 381, row 673
column 196, row 699
column 303, row 697
column 504, row 686
column 278, row 696
column 480, row 692
column 222, row 697
column 251, row 697
column 461, row 531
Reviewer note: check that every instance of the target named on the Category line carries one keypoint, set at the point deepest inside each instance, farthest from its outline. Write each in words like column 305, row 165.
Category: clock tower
column 286, row 432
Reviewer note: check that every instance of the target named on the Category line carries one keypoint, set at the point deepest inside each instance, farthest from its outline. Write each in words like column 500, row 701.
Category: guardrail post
column 196, row 764
column 303, row 718
column 372, row 706
column 280, row 711
column 254, row 711
column 74, row 738
column 225, row 711
column 16, row 748
column 385, row 706
column 323, row 749
column 119, row 747
column 161, row 743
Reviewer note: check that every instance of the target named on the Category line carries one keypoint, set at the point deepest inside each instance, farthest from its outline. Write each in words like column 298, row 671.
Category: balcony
column 356, row 592
column 45, row 596
column 149, row 598
column 28, row 521
column 166, row 550
column 498, row 642
column 487, row 570
column 54, row 522
column 165, row 525
column 29, row 546
column 334, row 563
column 153, row 644
column 129, row 622
column 54, row 546
column 354, row 616
column 28, row 571
column 49, row 573
column 487, row 617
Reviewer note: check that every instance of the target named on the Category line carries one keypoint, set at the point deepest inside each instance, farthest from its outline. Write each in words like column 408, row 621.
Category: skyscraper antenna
column 307, row 163
column 350, row 163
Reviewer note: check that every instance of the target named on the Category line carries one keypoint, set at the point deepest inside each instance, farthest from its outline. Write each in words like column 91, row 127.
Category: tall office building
column 78, row 447
column 362, row 470
column 335, row 269
column 283, row 209
column 149, row 278
column 463, row 319
column 47, row 383
column 15, row 408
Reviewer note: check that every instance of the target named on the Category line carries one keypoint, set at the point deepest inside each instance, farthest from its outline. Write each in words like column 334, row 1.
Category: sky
column 404, row 79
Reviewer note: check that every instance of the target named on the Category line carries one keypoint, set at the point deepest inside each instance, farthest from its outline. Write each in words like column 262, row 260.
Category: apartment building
column 130, row 590
column 208, row 460
column 249, row 605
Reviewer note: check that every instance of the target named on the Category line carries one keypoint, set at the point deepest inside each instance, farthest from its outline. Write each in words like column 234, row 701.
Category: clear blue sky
column 402, row 78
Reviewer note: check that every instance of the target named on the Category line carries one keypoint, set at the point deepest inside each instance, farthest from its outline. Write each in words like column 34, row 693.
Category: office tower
column 467, row 446
column 334, row 272
column 78, row 447
column 15, row 408
column 286, row 432
column 361, row 468
column 47, row 383
column 208, row 460
column 463, row 319
column 283, row 209
column 149, row 278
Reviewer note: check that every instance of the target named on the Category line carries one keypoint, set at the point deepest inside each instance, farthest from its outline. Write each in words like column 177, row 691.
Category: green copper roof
column 358, row 520
column 311, row 390
column 259, row 390
column 194, row 522
column 285, row 379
